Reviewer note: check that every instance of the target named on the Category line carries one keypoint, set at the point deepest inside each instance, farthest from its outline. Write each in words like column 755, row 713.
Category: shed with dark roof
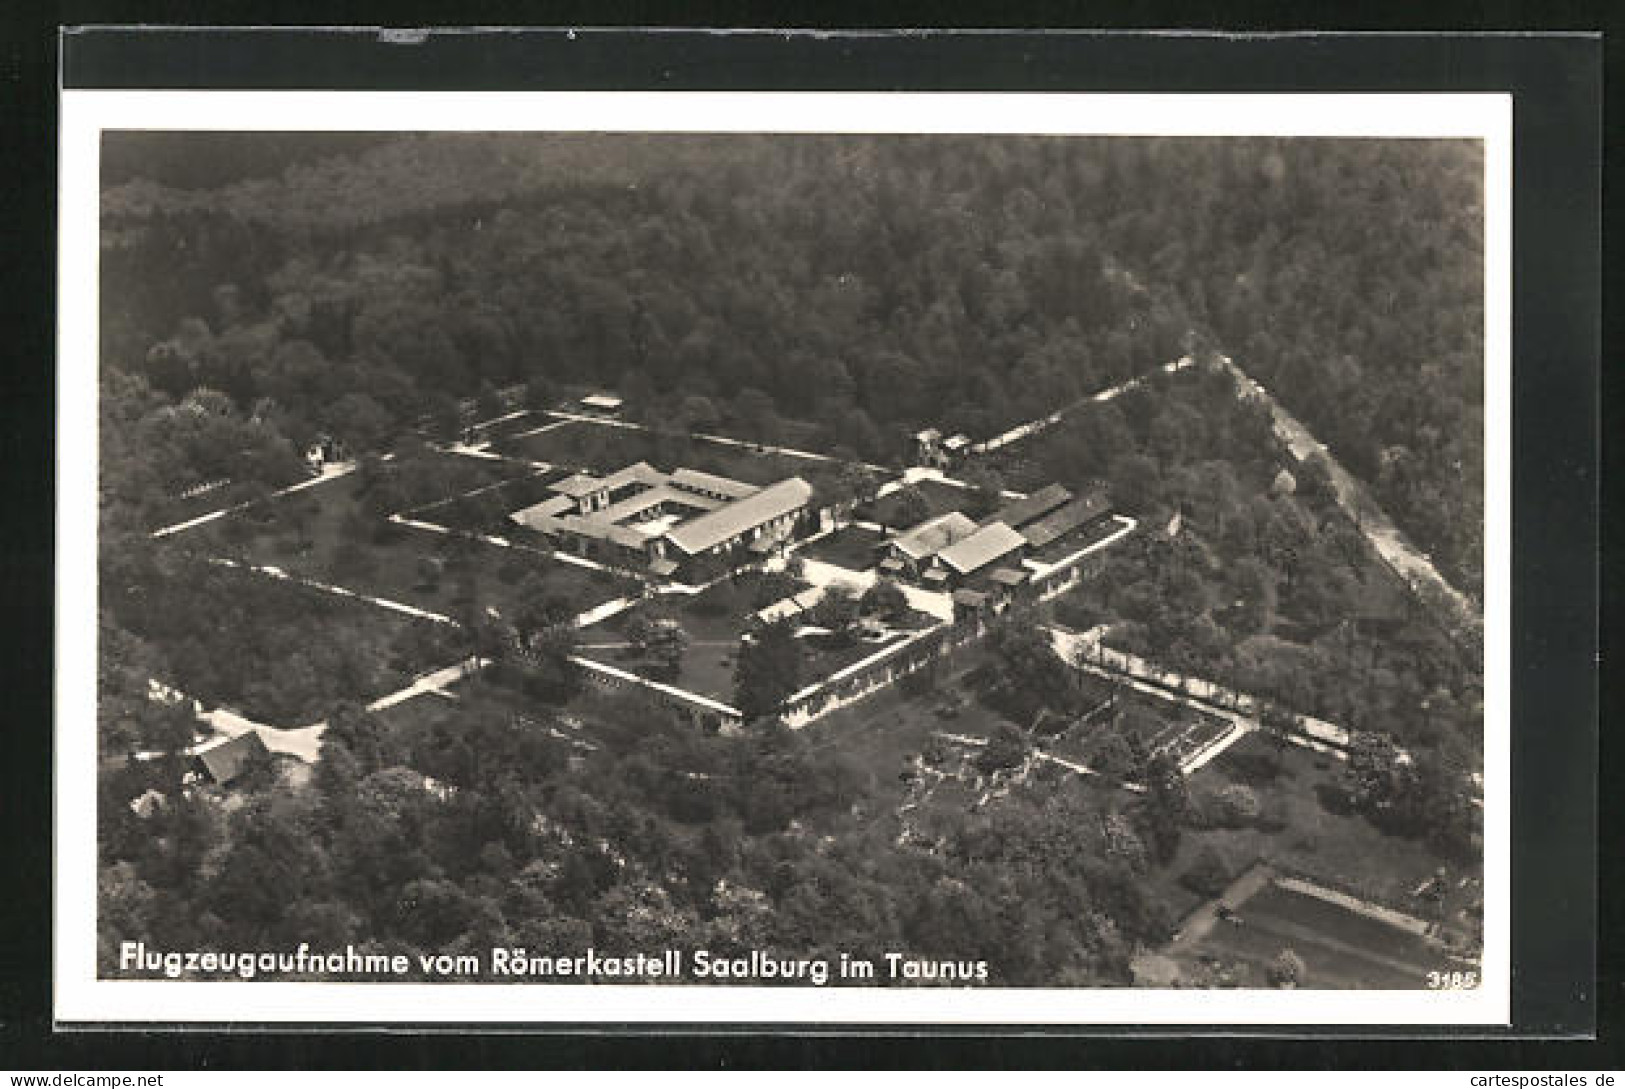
column 224, row 760
column 1039, row 503
column 1087, row 508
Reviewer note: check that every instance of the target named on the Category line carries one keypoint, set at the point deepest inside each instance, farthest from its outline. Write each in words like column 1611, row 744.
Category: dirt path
column 338, row 591
column 305, row 742
column 1085, row 650
column 329, row 472
column 722, row 440
column 1410, row 563
column 1033, row 427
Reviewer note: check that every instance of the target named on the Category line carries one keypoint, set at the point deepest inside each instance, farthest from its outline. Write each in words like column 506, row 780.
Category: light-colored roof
column 713, row 528
column 956, row 442
column 544, row 514
column 639, row 472
column 981, row 548
column 930, row 434
column 1036, row 505
column 1008, row 576
column 653, row 497
column 712, row 484
column 580, row 484
column 974, row 598
column 595, row 528
column 935, row 534
column 601, row 400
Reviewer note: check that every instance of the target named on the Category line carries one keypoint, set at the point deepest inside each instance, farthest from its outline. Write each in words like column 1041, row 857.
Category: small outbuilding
column 225, row 760
column 604, row 403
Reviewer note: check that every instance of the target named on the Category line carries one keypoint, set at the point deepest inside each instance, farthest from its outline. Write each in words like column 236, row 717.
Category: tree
column 1006, row 748
column 1209, row 874
column 1286, row 970
column 885, row 599
column 1236, row 806
column 767, row 670
column 661, row 642
column 837, row 610
column 540, row 391
column 1167, row 804
column 1034, row 677
column 540, row 609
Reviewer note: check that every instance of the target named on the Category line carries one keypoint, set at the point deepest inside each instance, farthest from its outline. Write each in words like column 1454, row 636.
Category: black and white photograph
column 748, row 557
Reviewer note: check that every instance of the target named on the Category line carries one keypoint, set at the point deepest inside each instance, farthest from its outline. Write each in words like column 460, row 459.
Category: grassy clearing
column 1339, row 948
column 713, row 620
column 882, row 731
column 327, row 534
column 851, row 547
column 603, row 448
column 1300, row 834
column 486, row 509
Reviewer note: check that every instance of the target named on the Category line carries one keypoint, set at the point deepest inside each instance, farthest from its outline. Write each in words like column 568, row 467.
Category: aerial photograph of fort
column 1016, row 561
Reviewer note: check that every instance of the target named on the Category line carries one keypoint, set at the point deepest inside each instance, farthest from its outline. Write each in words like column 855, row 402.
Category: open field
column 328, row 534
column 852, row 547
column 579, row 445
column 486, row 509
column 602, row 448
column 713, row 620
column 882, row 731
column 825, row 655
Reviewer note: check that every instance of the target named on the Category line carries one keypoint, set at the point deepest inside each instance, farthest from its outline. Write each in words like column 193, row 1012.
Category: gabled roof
column 585, row 483
column 713, row 528
column 578, row 485
column 228, row 758
column 544, row 515
column 601, row 400
column 981, row 548
column 933, row 535
column 1008, row 576
column 957, row 442
column 712, row 484
column 595, row 528
column 639, row 472
column 974, row 599
column 1081, row 511
column 1036, row 505
column 653, row 497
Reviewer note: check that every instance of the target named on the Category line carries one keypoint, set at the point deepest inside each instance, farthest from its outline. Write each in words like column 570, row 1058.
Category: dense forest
column 841, row 292
column 868, row 285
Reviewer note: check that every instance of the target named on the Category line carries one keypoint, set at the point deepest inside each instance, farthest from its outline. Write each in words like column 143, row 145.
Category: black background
column 1558, row 928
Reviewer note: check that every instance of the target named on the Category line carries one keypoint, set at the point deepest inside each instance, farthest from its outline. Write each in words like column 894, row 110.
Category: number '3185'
column 1452, row 981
